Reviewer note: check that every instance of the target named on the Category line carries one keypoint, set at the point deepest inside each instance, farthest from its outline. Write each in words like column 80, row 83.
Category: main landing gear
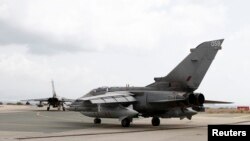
column 97, row 121
column 59, row 108
column 48, row 108
column 126, row 122
column 63, row 108
column 155, row 121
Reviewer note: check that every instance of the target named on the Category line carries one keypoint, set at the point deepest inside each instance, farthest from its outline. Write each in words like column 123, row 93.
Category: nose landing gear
column 126, row 122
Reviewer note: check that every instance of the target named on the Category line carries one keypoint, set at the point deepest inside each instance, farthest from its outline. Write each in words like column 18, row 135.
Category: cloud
column 35, row 42
column 130, row 26
column 83, row 44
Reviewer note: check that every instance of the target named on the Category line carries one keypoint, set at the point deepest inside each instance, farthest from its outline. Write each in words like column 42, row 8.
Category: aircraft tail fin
column 190, row 72
column 53, row 88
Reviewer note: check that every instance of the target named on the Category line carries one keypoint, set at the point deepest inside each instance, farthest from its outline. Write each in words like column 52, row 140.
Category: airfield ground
column 28, row 123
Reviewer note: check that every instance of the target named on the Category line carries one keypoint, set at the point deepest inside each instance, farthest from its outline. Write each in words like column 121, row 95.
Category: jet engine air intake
column 53, row 100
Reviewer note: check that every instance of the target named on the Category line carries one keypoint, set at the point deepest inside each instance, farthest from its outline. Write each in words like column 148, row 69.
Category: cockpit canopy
column 98, row 91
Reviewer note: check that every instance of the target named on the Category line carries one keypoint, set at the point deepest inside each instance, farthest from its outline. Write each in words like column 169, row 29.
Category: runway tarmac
column 31, row 123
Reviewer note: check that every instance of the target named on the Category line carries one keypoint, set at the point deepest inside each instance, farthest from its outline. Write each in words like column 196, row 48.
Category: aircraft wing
column 67, row 100
column 40, row 99
column 46, row 99
column 111, row 98
column 216, row 102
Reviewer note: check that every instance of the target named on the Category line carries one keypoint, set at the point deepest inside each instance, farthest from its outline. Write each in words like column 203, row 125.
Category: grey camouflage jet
column 55, row 101
column 172, row 96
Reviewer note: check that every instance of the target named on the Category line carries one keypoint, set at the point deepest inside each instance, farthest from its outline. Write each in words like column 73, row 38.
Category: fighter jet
column 55, row 101
column 171, row 96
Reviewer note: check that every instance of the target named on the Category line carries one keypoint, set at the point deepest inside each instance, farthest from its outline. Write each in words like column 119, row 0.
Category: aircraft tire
column 97, row 121
column 63, row 108
column 125, row 122
column 155, row 121
column 47, row 108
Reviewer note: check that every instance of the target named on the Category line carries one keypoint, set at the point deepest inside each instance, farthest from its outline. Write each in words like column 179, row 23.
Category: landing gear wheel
column 63, row 108
column 126, row 122
column 47, row 108
column 155, row 121
column 97, row 121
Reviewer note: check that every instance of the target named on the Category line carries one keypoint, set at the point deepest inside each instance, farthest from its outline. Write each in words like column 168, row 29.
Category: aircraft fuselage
column 148, row 102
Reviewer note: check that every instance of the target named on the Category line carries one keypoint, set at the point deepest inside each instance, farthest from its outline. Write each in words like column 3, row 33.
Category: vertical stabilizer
column 53, row 88
column 190, row 72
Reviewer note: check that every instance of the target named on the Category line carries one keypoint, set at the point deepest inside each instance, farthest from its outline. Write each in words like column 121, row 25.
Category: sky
column 84, row 44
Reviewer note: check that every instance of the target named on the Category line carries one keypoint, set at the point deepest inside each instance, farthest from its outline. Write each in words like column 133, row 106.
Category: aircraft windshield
column 99, row 90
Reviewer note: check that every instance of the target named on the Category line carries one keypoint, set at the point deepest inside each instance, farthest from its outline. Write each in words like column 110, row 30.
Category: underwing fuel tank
column 120, row 112
column 180, row 112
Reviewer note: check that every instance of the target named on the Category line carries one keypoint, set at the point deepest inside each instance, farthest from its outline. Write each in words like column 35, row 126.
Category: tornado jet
column 55, row 101
column 171, row 96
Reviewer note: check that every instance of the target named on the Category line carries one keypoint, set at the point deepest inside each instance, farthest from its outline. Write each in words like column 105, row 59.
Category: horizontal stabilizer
column 217, row 102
